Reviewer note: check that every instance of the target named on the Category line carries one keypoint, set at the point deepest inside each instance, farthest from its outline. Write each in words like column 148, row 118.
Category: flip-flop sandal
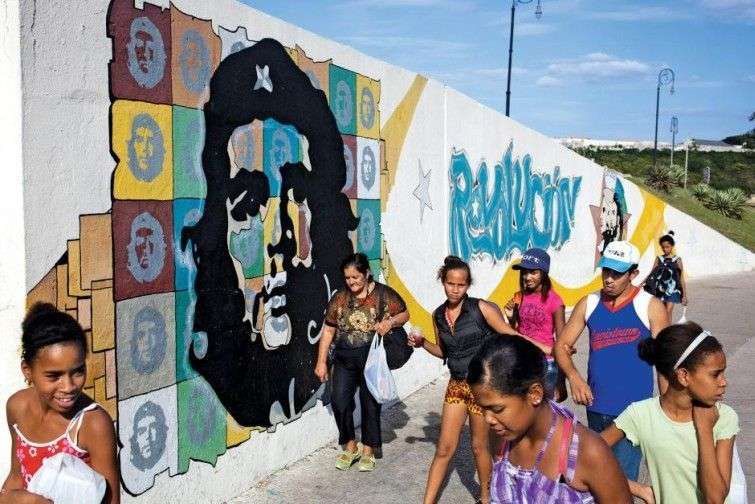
column 367, row 463
column 346, row 459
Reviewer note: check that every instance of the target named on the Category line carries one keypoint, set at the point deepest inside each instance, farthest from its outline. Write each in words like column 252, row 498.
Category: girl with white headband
column 686, row 435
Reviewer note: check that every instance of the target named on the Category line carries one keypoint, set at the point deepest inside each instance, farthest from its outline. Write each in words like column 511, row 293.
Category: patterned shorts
column 459, row 392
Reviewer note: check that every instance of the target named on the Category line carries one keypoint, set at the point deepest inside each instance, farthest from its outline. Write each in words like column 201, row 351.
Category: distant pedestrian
column 462, row 325
column 618, row 318
column 537, row 311
column 351, row 321
column 686, row 435
column 666, row 280
column 55, row 407
column 545, row 455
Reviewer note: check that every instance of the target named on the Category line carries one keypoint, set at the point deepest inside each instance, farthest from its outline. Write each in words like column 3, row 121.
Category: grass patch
column 727, row 169
column 741, row 231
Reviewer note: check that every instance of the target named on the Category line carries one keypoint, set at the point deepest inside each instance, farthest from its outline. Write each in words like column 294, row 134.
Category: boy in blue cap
column 618, row 318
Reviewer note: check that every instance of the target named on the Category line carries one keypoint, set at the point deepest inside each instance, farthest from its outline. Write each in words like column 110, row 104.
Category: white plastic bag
column 377, row 374
column 683, row 318
column 65, row 479
column 738, row 486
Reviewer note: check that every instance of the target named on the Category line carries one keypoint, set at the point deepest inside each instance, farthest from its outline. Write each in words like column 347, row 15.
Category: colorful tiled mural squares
column 131, row 278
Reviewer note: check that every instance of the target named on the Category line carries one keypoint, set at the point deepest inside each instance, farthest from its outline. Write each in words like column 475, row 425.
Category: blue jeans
column 628, row 455
column 551, row 377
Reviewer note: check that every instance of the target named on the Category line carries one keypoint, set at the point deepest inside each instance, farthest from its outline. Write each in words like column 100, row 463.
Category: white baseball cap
column 619, row 256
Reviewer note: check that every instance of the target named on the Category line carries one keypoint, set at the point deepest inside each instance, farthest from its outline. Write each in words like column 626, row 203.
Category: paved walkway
column 411, row 428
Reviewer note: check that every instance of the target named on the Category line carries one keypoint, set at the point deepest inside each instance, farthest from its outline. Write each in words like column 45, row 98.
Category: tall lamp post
column 665, row 76
column 674, row 131
column 538, row 15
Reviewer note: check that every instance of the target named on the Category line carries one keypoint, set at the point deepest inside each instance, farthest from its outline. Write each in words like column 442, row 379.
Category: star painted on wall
column 263, row 79
column 422, row 191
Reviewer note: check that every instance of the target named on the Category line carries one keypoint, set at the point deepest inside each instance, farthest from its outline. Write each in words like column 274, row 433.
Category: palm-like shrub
column 729, row 202
column 702, row 192
column 662, row 178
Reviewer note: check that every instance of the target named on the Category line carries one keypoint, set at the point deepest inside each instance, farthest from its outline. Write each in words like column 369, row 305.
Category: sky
column 586, row 68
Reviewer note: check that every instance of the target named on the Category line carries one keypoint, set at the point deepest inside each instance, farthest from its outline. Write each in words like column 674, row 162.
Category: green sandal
column 367, row 463
column 346, row 459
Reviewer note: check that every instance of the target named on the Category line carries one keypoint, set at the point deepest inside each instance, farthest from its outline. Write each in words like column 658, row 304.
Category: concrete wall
column 195, row 230
column 12, row 260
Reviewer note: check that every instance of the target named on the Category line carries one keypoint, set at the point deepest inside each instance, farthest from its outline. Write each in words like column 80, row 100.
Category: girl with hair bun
column 545, row 454
column 686, row 435
column 462, row 325
column 55, row 408
column 666, row 279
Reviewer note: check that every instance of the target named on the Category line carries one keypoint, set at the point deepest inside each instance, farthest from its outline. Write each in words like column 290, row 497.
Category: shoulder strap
column 641, row 304
column 592, row 302
column 74, row 426
column 381, row 301
column 503, row 449
column 563, row 451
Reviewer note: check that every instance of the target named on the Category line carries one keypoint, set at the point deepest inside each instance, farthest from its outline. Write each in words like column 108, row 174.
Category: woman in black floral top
column 351, row 320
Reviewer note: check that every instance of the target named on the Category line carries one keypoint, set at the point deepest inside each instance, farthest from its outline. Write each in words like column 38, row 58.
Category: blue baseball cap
column 534, row 259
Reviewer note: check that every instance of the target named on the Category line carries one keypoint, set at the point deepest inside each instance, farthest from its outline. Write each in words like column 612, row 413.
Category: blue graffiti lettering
column 515, row 210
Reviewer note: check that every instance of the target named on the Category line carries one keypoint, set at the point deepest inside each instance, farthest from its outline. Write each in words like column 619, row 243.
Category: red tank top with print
column 31, row 455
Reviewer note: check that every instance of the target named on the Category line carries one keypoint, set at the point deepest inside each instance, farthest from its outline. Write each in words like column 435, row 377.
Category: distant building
column 693, row 144
column 703, row 145
column 581, row 143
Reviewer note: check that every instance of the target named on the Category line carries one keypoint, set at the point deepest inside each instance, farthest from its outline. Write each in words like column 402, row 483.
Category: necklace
column 452, row 323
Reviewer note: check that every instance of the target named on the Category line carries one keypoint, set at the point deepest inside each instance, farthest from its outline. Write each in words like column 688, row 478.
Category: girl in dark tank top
column 462, row 325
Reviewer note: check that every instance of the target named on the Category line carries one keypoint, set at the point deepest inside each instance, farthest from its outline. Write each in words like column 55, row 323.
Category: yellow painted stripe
column 394, row 133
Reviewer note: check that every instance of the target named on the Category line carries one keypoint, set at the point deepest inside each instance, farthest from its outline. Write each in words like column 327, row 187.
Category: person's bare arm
column 384, row 326
column 600, row 471
column 612, row 435
column 97, row 436
column 562, row 351
column 321, row 367
column 713, row 459
column 494, row 318
column 658, row 321
column 683, row 282
column 658, row 316
column 433, row 348
column 12, row 491
column 644, row 492
column 559, row 321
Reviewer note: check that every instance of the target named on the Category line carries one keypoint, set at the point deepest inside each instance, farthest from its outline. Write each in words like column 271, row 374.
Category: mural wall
column 244, row 159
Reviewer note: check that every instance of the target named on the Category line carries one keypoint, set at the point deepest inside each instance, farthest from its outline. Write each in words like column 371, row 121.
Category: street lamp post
column 665, row 76
column 674, row 131
column 538, row 15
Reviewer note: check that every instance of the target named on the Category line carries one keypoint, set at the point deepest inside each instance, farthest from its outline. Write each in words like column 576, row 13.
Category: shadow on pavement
column 463, row 461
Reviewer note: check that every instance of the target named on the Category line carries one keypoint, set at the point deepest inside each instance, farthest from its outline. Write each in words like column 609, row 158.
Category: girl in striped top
column 545, row 454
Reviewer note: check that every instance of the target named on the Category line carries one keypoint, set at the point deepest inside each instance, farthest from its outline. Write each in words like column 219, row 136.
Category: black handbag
column 652, row 281
column 395, row 341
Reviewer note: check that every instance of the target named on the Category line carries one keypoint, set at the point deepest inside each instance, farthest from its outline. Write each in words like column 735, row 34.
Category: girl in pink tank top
column 537, row 312
column 31, row 455
column 54, row 408
column 546, row 456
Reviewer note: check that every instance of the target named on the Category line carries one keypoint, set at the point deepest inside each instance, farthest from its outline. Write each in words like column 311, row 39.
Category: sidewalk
column 411, row 428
